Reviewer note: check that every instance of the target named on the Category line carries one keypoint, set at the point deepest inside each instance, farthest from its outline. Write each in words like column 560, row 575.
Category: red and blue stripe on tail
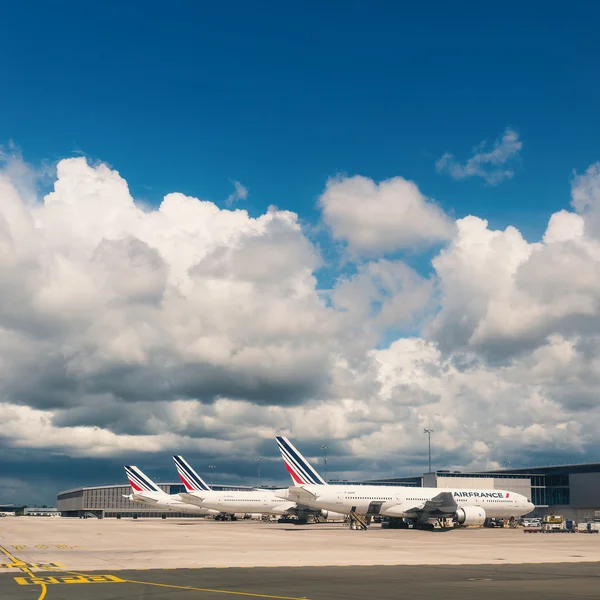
column 190, row 479
column 298, row 467
column 140, row 482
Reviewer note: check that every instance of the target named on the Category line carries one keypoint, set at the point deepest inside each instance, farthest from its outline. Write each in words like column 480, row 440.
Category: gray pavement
column 476, row 582
column 109, row 545
column 54, row 559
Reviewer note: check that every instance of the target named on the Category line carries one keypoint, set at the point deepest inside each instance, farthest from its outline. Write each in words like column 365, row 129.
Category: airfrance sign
column 480, row 495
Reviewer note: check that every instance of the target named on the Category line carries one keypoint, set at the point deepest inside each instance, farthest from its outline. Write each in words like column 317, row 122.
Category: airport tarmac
column 111, row 544
column 52, row 558
column 473, row 582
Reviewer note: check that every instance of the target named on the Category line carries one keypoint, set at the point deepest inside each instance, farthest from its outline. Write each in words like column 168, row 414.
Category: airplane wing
column 298, row 493
column 191, row 498
column 146, row 500
column 441, row 505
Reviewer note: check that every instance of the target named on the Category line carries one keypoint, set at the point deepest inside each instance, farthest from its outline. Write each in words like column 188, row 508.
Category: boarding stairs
column 357, row 521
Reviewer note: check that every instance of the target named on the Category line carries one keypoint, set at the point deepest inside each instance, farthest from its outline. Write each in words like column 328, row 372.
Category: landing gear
column 397, row 523
column 225, row 517
column 425, row 526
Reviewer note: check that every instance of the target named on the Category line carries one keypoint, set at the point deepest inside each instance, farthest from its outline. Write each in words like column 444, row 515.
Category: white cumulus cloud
column 502, row 296
column 378, row 218
column 105, row 299
column 585, row 192
column 190, row 328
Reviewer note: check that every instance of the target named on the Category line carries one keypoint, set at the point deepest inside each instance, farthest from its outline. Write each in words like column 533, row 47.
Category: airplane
column 145, row 491
column 255, row 501
column 404, row 505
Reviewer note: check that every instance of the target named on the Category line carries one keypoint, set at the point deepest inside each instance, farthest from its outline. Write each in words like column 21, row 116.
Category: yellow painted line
column 212, row 591
column 70, row 579
column 43, row 594
column 197, row 589
column 46, row 566
column 16, row 562
column 13, row 558
column 84, row 578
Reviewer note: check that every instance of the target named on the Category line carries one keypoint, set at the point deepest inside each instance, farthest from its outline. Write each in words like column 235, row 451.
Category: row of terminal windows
column 551, row 496
column 107, row 498
column 71, row 495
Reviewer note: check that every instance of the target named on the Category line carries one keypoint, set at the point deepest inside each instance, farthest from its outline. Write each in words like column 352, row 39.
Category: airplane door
column 339, row 498
column 374, row 508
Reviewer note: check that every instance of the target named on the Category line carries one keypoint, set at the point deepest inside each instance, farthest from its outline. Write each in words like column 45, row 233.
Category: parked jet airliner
column 145, row 491
column 403, row 504
column 198, row 492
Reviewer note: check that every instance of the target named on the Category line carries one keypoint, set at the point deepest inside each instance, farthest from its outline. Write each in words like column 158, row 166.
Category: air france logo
column 480, row 495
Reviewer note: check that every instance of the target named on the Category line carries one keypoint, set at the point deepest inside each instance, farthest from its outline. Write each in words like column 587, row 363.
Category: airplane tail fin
column 140, row 482
column 297, row 466
column 190, row 479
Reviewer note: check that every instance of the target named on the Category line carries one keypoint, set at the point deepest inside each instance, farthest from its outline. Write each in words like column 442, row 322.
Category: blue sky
column 188, row 95
column 192, row 96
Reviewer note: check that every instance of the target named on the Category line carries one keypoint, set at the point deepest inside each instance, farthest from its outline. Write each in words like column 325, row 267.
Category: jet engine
column 329, row 514
column 470, row 515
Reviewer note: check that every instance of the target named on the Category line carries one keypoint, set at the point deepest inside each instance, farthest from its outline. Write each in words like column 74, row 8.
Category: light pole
column 212, row 469
column 257, row 459
column 429, row 432
column 325, row 449
column 506, row 463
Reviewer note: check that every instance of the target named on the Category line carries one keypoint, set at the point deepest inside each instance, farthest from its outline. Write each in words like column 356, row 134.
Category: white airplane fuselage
column 171, row 502
column 405, row 502
column 256, row 501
